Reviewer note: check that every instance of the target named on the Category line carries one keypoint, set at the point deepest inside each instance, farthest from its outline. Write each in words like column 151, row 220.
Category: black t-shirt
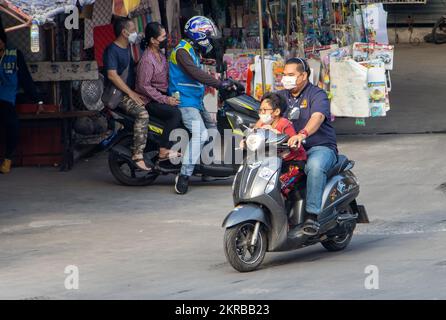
column 117, row 58
column 313, row 99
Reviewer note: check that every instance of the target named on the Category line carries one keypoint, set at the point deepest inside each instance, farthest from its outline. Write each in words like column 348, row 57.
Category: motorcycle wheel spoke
column 244, row 255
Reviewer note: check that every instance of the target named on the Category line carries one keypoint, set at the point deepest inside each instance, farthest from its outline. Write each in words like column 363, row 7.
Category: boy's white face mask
column 289, row 82
column 266, row 118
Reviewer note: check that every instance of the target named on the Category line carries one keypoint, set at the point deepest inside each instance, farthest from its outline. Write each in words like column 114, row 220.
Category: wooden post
column 288, row 20
column 262, row 52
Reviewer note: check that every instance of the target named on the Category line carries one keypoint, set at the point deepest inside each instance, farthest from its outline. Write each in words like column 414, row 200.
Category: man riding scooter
column 315, row 128
column 187, row 82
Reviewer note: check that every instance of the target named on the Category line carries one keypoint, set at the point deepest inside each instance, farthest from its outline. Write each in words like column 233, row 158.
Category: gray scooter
column 264, row 220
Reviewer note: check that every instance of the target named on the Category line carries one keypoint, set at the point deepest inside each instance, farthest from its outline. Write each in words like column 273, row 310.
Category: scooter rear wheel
column 125, row 173
column 239, row 252
column 341, row 241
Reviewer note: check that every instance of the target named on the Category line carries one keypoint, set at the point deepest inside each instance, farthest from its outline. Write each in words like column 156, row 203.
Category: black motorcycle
column 236, row 105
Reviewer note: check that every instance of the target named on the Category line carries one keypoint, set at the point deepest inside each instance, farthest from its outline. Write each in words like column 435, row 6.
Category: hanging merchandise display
column 34, row 36
column 344, row 42
column 316, row 17
column 238, row 65
column 324, row 79
column 273, row 72
column 210, row 99
column 357, row 89
column 269, row 77
column 374, row 51
column 43, row 10
column 378, row 95
column 348, row 85
column 102, row 15
column 173, row 21
column 375, row 23
column 155, row 13
column 278, row 67
column 315, row 67
column 122, row 8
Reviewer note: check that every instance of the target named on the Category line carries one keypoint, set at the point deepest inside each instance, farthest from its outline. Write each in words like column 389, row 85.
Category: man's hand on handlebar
column 296, row 141
column 228, row 85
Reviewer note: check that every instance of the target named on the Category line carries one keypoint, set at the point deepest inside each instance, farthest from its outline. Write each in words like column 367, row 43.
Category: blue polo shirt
column 313, row 99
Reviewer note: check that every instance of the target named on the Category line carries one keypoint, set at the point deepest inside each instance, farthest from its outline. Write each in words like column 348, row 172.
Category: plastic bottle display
column 35, row 41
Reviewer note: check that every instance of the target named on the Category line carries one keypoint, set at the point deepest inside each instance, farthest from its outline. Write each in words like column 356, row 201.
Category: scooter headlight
column 271, row 184
column 253, row 141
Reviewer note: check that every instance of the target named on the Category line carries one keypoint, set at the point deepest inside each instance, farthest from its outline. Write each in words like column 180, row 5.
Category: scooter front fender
column 246, row 212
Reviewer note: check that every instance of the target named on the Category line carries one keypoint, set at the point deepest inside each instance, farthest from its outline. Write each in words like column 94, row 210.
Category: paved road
column 148, row 243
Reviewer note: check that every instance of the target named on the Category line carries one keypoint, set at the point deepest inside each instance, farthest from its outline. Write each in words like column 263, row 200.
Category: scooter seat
column 339, row 167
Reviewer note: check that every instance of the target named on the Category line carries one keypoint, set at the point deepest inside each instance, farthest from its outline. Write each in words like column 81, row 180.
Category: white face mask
column 132, row 37
column 289, row 82
column 266, row 118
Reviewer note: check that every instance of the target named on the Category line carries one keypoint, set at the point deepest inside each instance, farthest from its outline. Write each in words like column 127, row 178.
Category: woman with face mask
column 152, row 82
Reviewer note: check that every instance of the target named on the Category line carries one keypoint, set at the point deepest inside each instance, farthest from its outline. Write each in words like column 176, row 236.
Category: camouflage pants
column 140, row 128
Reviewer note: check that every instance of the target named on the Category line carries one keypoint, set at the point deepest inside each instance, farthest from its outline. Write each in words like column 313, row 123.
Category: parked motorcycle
column 439, row 31
column 265, row 220
column 236, row 105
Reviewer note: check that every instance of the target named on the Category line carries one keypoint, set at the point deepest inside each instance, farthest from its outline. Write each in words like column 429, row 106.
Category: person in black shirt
column 117, row 59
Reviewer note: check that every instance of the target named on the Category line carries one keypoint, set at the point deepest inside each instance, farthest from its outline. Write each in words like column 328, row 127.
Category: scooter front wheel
column 239, row 250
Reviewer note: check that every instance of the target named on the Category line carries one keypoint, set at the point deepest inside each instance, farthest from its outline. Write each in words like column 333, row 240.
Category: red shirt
column 284, row 126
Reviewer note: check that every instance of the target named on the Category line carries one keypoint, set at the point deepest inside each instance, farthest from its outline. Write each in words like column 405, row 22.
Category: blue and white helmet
column 201, row 30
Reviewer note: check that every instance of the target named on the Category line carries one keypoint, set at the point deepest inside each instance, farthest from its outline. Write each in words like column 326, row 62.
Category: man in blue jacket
column 188, row 79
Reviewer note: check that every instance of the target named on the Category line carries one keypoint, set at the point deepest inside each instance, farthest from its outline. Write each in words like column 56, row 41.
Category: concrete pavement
column 148, row 243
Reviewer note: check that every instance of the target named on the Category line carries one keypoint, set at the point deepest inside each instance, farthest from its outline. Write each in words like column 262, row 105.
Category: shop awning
column 27, row 10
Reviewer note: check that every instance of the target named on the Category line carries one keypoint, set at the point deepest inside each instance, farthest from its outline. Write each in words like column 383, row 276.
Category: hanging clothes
column 122, row 8
column 102, row 14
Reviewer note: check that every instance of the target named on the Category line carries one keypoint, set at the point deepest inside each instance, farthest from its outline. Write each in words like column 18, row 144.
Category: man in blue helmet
column 187, row 79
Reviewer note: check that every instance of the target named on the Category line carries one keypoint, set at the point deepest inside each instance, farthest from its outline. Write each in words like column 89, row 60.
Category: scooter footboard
column 246, row 212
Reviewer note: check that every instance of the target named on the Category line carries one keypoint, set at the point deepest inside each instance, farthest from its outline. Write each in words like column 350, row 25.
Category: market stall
column 37, row 29
column 64, row 56
column 344, row 41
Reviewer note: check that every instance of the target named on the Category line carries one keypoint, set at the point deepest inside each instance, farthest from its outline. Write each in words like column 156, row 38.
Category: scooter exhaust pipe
column 346, row 217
